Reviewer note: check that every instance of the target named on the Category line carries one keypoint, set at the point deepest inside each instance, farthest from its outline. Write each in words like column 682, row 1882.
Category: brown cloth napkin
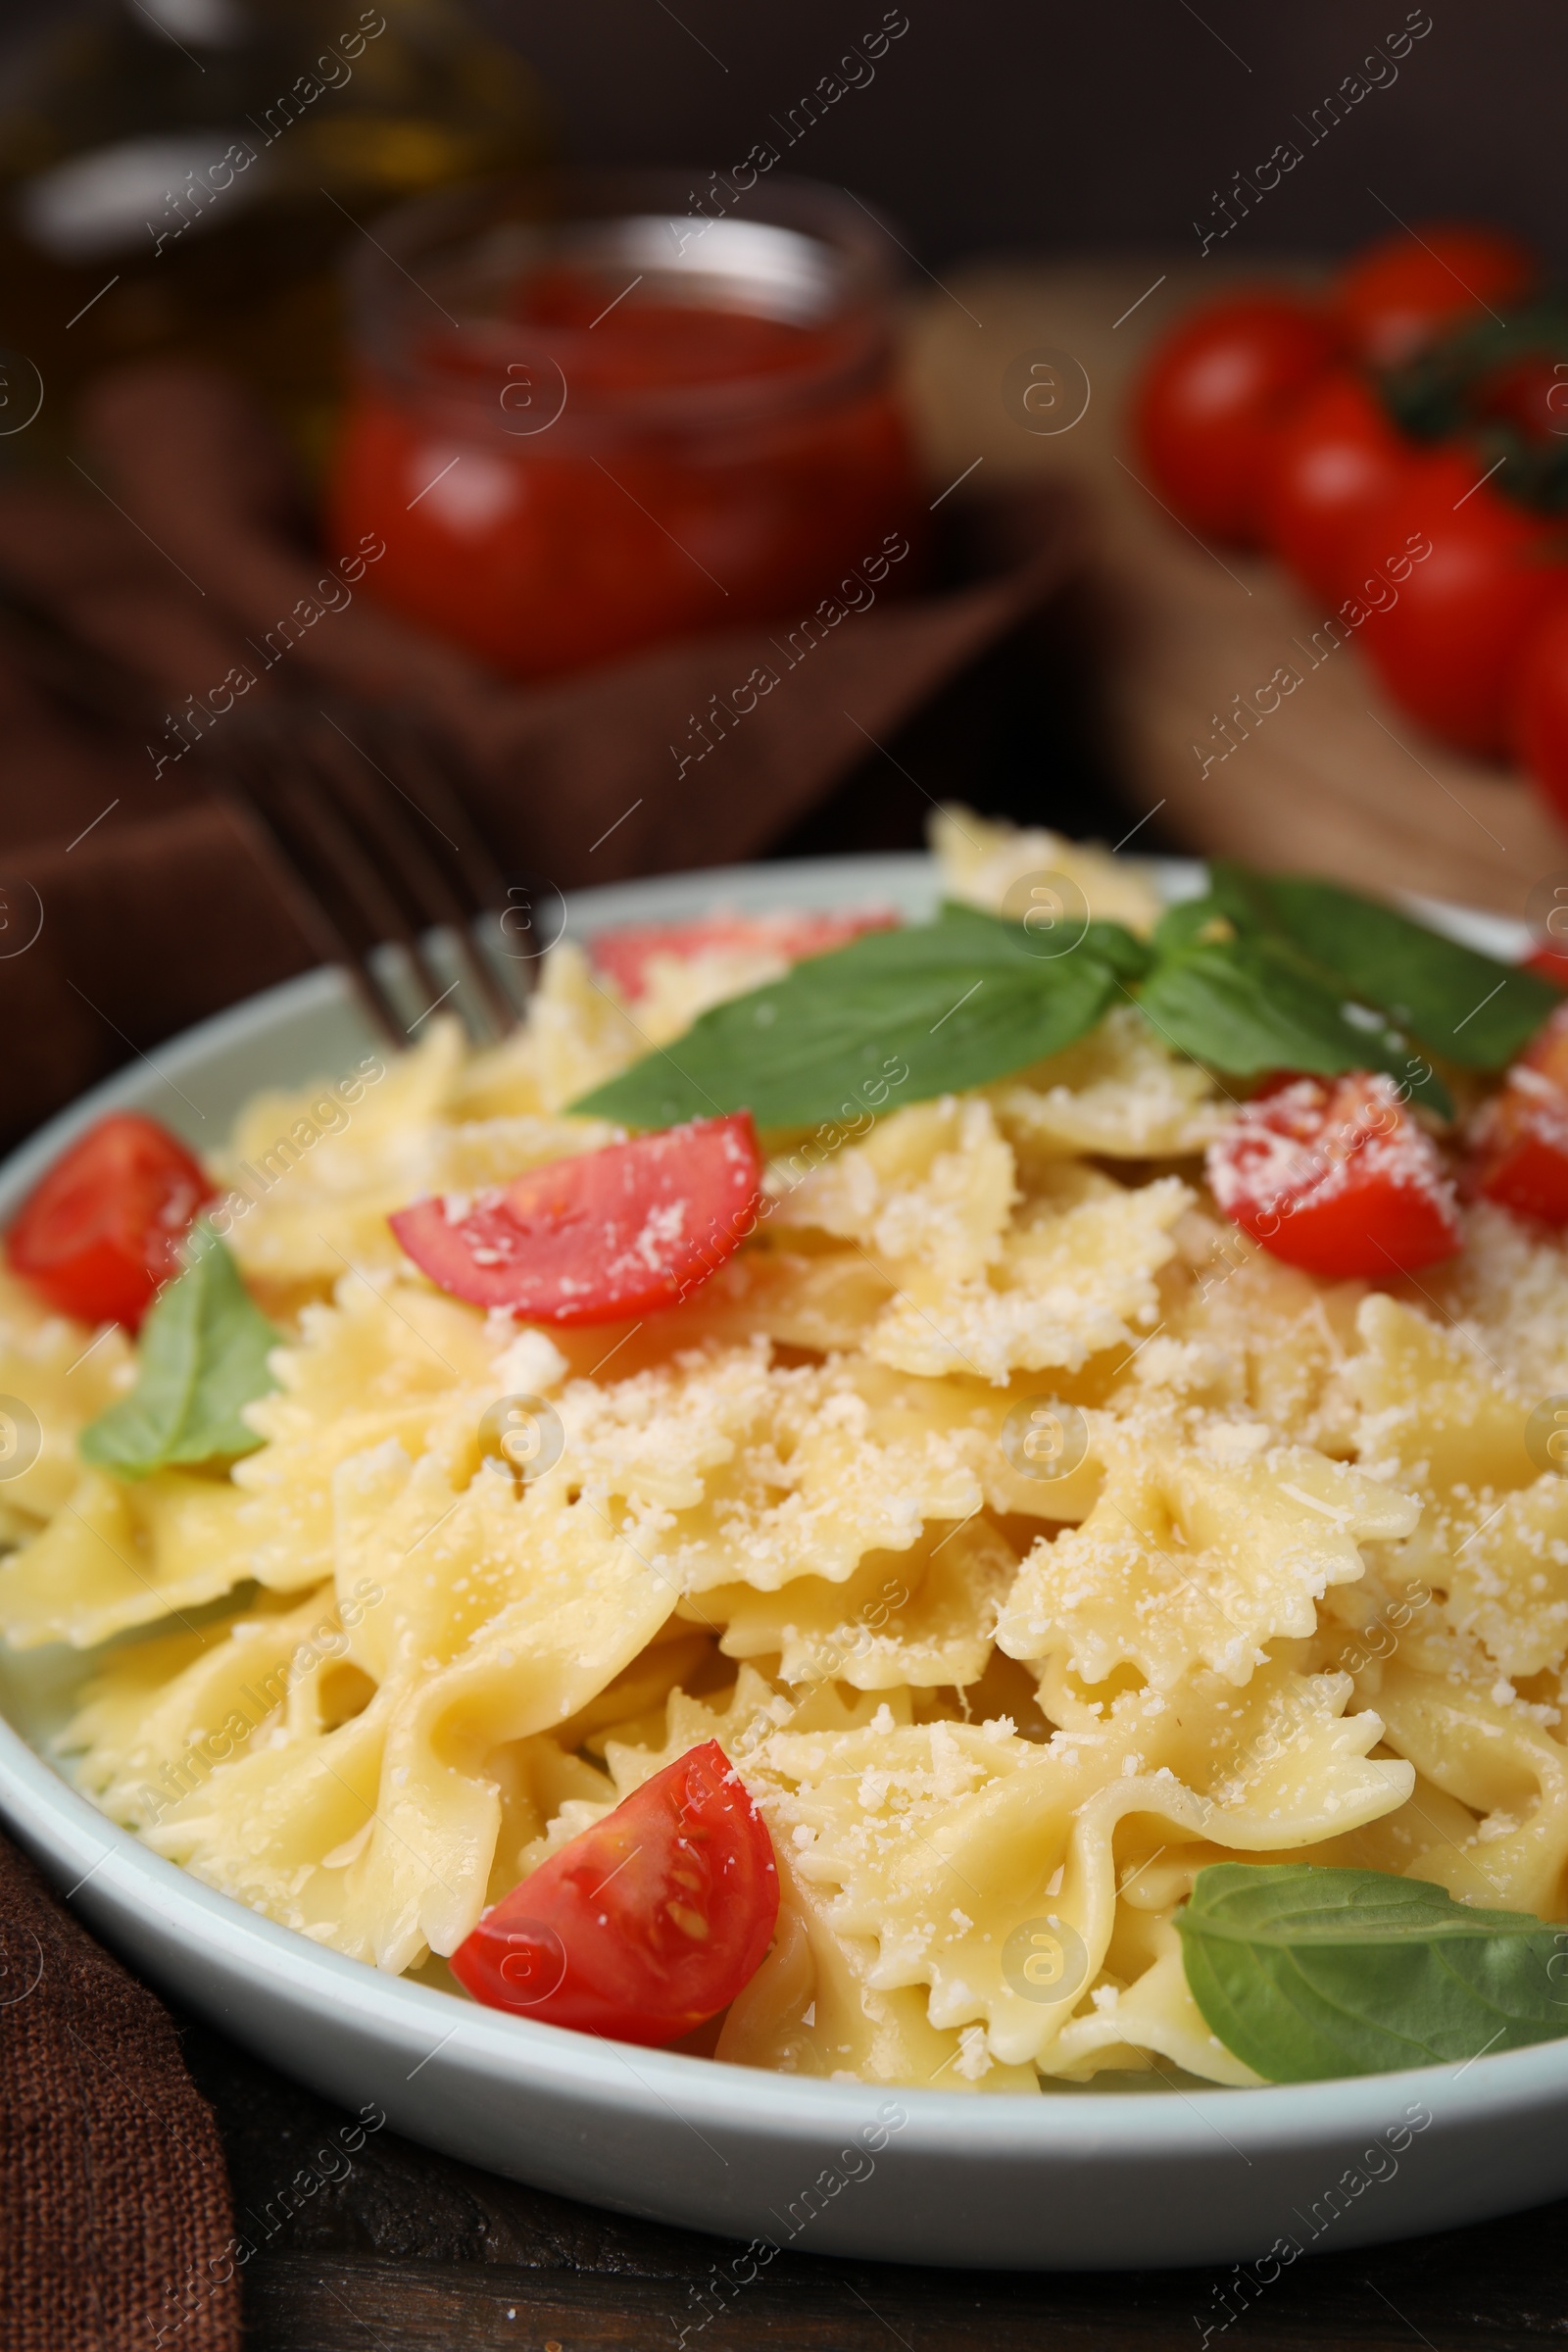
column 116, row 2224
column 182, row 551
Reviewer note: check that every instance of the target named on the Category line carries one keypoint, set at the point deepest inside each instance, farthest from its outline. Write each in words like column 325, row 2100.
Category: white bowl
column 1082, row 2178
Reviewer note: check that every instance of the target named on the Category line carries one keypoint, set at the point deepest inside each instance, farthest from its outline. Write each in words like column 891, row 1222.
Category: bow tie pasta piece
column 1437, row 1415
column 744, row 1472
column 120, row 1556
column 378, row 1348
column 65, row 1377
column 1197, row 1556
column 1069, row 1283
column 929, row 1200
column 1469, row 1734
column 1507, row 1582
column 933, row 1185
column 980, row 859
column 310, row 1176
column 949, row 1842
column 922, row 1618
column 576, row 1036
column 811, row 2009
column 1254, row 1336
column 1493, row 1538
column 161, row 1715
column 378, row 1835
column 1120, row 1092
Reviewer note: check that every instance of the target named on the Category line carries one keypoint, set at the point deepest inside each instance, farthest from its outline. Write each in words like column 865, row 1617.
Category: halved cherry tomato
column 100, row 1232
column 623, row 956
column 1540, row 708
column 1336, row 458
column 1521, row 1137
column 1450, row 648
column 1395, row 295
column 1211, row 398
column 646, row 1924
column 1334, row 1175
column 620, row 1232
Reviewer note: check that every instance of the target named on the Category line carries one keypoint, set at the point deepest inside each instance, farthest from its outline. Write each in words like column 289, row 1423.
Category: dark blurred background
column 1000, row 125
column 1008, row 125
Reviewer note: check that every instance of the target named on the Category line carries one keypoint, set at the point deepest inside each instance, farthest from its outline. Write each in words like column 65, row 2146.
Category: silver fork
column 360, row 813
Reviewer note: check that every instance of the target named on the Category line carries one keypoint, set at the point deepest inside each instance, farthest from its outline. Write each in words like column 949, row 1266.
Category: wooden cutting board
column 1225, row 701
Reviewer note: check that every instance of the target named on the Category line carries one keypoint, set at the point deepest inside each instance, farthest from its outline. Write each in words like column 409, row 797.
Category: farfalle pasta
column 1296, row 1589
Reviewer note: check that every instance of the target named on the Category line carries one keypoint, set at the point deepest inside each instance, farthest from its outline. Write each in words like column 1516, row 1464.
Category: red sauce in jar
column 651, row 467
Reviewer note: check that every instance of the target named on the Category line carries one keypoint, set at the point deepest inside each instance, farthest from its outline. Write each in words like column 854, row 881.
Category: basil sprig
column 895, row 1017
column 201, row 1356
column 1462, row 1006
column 1257, row 975
column 1305, row 1974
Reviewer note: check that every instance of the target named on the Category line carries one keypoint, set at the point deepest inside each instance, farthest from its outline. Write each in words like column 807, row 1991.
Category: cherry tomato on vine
column 1521, row 1137
column 102, row 1228
column 1211, row 398
column 645, row 1925
column 1450, row 647
column 620, row 1232
column 1334, row 1175
column 1395, row 295
column 1336, row 458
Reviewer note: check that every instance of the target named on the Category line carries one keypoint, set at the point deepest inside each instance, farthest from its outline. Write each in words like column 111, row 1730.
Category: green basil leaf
column 1247, row 1004
column 202, row 1356
column 894, row 1017
column 1306, row 1972
column 1466, row 1006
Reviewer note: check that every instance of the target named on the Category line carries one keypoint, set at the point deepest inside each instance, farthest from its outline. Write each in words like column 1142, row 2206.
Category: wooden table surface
column 410, row 2252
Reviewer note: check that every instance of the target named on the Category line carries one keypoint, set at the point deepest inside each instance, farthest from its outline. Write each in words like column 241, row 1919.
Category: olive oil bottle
column 183, row 175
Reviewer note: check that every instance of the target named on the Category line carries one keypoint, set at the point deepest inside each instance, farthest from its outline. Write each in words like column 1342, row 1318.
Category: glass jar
column 584, row 420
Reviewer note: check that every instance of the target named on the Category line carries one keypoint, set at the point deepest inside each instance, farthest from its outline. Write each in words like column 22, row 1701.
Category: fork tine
column 311, row 910
column 426, row 863
column 288, row 781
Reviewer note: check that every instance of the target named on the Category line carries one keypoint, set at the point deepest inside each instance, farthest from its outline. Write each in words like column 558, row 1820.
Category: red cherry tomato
column 100, row 1232
column 1521, row 1137
column 1211, row 398
column 1337, row 460
column 1541, row 710
column 1334, row 1175
column 645, row 1925
column 1551, row 962
column 620, row 1232
column 623, row 956
column 1450, row 645
column 1528, row 393
column 1396, row 294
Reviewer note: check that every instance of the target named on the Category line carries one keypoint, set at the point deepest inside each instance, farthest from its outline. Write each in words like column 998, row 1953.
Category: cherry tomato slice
column 1337, row 460
column 624, row 1231
column 1521, row 1137
column 102, row 1230
column 1450, row 648
column 624, row 956
column 1398, row 293
column 1335, row 1176
column 1211, row 398
column 644, row 1926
